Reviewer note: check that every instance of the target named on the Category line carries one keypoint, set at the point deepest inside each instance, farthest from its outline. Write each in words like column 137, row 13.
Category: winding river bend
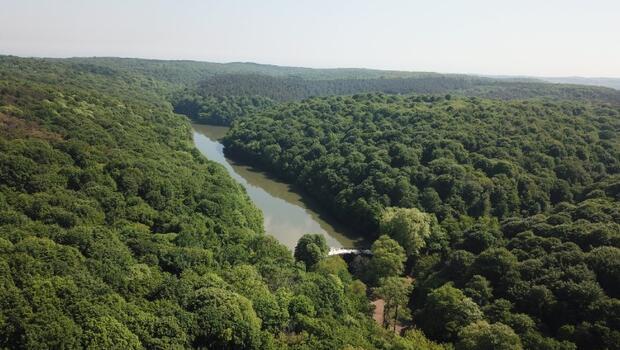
column 288, row 214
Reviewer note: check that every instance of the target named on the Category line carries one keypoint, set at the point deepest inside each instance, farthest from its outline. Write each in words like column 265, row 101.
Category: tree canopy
column 507, row 211
column 311, row 248
column 115, row 232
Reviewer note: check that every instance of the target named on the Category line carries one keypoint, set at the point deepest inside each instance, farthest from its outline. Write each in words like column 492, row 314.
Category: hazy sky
column 528, row 37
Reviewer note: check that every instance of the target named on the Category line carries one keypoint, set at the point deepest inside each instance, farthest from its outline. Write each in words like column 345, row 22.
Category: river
column 288, row 213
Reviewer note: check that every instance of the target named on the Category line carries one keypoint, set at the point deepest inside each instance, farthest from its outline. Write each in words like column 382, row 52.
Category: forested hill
column 115, row 233
column 450, row 156
column 218, row 93
column 613, row 83
column 297, row 88
column 191, row 72
column 221, row 99
column 509, row 212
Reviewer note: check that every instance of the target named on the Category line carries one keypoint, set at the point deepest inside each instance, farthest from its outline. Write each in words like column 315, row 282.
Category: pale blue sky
column 520, row 37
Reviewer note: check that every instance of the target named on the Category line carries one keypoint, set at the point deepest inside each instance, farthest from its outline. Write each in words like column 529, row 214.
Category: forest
column 222, row 98
column 116, row 233
column 492, row 207
column 506, row 213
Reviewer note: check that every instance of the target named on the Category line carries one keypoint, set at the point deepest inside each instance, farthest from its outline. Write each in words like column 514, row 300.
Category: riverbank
column 288, row 214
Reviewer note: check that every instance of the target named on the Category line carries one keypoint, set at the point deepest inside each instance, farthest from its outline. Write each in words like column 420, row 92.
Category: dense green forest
column 449, row 156
column 217, row 93
column 496, row 224
column 297, row 88
column 115, row 233
column 222, row 98
column 507, row 212
column 219, row 109
column 192, row 72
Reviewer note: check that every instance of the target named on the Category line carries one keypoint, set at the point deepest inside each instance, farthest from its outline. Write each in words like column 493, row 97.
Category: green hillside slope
column 116, row 233
column 520, row 229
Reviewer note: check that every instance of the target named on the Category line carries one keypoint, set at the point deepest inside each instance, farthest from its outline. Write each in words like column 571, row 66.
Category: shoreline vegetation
column 289, row 212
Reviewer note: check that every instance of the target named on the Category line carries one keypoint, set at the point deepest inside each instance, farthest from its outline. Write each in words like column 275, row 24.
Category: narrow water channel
column 288, row 214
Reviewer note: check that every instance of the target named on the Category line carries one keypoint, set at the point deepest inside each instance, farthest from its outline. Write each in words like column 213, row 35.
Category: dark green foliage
column 358, row 155
column 287, row 88
column 219, row 94
column 216, row 109
column 526, row 194
column 541, row 283
column 297, row 88
column 605, row 262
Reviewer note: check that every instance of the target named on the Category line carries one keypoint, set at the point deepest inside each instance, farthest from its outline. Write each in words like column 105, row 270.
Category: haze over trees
column 221, row 99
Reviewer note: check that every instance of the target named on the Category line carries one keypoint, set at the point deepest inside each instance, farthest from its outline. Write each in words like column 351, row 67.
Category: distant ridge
column 322, row 81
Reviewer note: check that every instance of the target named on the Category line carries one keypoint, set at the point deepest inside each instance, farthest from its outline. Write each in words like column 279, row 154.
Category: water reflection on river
column 288, row 215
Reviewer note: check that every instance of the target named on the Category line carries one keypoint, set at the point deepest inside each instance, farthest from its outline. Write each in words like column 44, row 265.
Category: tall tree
column 311, row 248
column 446, row 312
column 408, row 226
column 387, row 259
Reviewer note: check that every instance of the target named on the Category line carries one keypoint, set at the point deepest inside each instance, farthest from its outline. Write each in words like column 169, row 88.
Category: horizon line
column 488, row 75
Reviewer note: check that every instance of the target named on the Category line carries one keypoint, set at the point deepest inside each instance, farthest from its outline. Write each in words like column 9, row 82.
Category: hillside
column 510, row 208
column 613, row 83
column 219, row 93
column 116, row 233
column 191, row 72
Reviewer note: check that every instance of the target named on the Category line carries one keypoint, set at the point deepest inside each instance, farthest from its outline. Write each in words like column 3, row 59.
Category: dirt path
column 380, row 306
column 378, row 314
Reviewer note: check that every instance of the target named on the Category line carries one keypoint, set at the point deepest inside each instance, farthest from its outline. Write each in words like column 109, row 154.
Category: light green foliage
column 107, row 333
column 225, row 320
column 325, row 291
column 116, row 233
column 484, row 336
column 414, row 339
column 387, row 259
column 301, row 305
column 334, row 265
column 273, row 311
column 410, row 227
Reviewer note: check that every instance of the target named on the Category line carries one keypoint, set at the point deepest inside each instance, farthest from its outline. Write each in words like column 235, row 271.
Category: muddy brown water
column 288, row 213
